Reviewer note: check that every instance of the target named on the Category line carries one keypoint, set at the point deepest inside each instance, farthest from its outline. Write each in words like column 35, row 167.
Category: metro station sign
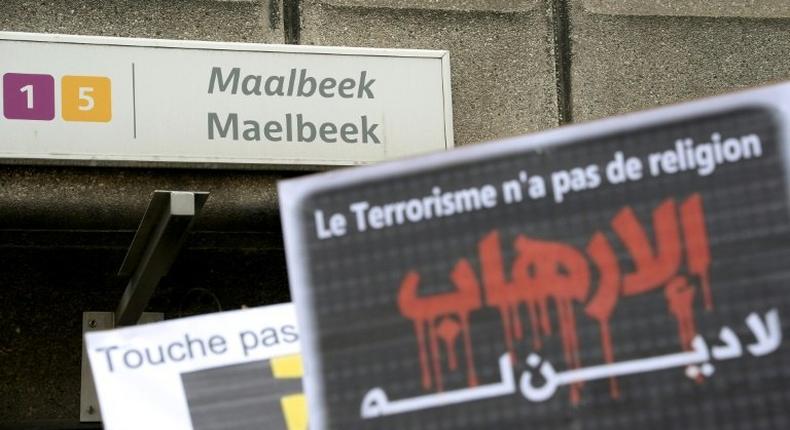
column 132, row 101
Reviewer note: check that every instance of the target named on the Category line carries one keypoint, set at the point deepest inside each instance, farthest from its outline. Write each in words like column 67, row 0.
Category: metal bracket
column 156, row 244
column 92, row 321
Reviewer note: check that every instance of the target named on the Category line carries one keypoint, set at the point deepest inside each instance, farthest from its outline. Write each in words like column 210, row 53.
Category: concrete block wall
column 235, row 21
column 501, row 53
column 517, row 66
column 628, row 55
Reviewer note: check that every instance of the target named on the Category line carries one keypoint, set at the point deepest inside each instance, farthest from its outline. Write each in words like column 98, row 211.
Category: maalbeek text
column 304, row 85
column 291, row 127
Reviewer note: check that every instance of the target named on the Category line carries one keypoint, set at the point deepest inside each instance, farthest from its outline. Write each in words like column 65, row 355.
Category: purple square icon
column 27, row 96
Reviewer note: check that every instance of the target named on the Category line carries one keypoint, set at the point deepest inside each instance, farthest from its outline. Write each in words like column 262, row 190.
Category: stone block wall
column 629, row 55
column 501, row 53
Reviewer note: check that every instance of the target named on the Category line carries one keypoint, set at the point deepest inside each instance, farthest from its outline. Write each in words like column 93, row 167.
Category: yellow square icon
column 295, row 411
column 86, row 98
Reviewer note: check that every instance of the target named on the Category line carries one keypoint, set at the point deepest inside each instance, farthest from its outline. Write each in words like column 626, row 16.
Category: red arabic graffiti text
column 545, row 273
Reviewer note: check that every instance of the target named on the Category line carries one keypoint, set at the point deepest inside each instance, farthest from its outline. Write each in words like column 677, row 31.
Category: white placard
column 129, row 101
column 138, row 370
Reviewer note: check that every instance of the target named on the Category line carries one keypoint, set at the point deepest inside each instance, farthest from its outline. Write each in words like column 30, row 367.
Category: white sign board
column 185, row 373
column 133, row 101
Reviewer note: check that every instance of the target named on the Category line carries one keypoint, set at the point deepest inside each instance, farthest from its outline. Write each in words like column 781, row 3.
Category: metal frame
column 156, row 244
column 92, row 321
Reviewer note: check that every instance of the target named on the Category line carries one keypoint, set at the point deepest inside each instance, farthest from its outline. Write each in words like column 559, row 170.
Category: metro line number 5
column 32, row 97
column 84, row 95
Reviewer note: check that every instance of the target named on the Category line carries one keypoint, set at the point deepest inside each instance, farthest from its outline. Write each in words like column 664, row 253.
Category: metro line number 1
column 28, row 89
column 32, row 97
column 28, row 96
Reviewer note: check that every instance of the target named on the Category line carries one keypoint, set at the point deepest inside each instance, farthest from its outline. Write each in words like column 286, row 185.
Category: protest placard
column 238, row 369
column 625, row 273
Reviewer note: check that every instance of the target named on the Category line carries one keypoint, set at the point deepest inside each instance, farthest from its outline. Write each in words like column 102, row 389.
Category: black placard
column 645, row 286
